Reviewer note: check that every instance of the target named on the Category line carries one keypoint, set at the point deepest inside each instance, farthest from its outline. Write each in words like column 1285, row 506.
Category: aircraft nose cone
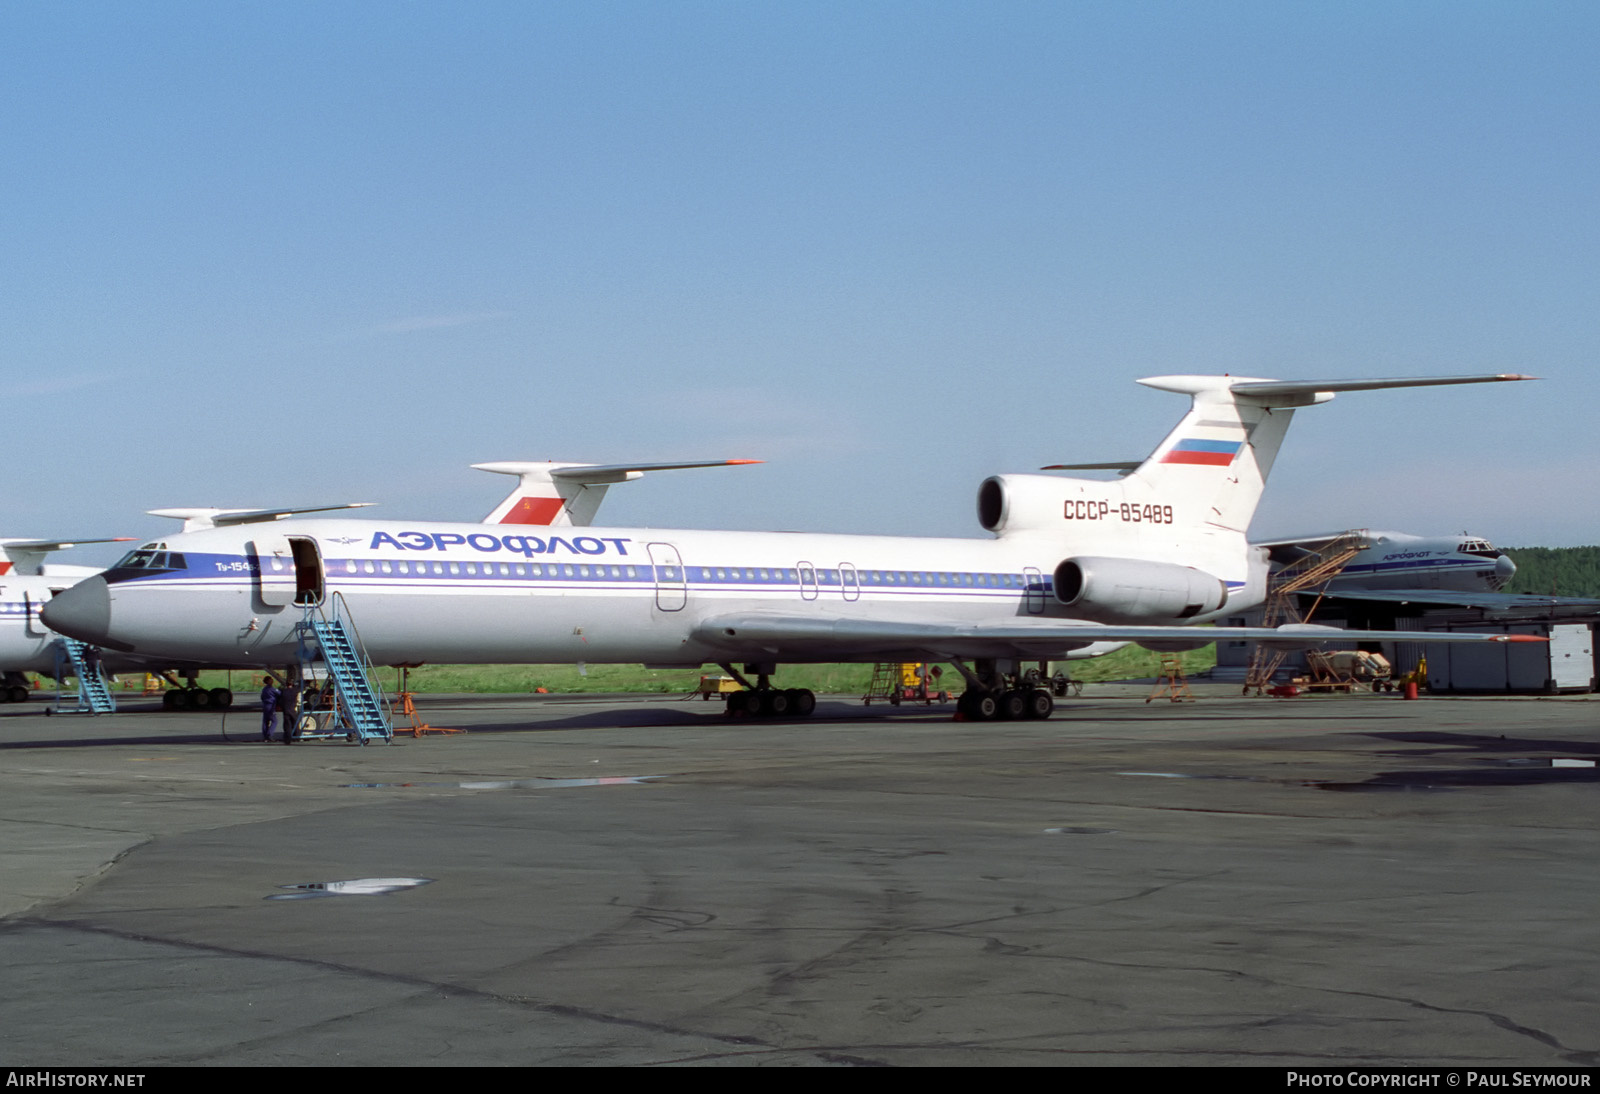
column 82, row 612
column 1504, row 569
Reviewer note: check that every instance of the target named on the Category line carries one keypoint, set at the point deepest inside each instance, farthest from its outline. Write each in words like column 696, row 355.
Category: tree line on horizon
column 1555, row 571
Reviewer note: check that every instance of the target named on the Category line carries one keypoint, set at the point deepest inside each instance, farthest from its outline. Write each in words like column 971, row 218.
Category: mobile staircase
column 1318, row 567
column 357, row 712
column 77, row 659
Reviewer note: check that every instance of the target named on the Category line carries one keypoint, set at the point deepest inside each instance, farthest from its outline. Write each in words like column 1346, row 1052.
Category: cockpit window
column 146, row 558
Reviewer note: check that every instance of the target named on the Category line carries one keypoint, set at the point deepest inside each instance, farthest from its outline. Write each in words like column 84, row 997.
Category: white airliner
column 26, row 583
column 1074, row 565
column 546, row 493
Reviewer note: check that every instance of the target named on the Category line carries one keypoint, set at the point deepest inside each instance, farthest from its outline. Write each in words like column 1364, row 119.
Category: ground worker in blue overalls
column 269, row 707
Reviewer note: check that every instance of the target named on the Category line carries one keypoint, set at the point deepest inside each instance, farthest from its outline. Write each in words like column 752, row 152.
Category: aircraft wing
column 1457, row 598
column 1286, row 551
column 808, row 637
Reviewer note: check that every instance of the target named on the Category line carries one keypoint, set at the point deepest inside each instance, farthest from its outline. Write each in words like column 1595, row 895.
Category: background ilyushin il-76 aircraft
column 1073, row 565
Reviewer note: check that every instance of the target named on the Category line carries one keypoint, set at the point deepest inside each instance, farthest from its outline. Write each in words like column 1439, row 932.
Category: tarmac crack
column 562, row 1010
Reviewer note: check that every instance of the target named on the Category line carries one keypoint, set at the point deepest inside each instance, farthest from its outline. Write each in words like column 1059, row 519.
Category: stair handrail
column 386, row 707
column 348, row 617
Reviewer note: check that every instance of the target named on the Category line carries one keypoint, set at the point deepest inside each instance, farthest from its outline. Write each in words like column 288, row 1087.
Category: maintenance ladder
column 1316, row 568
column 93, row 697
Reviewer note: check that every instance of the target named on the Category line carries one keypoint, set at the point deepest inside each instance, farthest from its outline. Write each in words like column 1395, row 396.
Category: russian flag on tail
column 1198, row 451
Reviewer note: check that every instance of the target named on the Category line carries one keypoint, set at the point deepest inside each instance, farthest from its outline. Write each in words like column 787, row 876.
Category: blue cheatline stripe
column 420, row 573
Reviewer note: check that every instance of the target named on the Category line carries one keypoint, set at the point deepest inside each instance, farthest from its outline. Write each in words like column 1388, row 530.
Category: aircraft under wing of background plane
column 1393, row 563
column 1451, row 598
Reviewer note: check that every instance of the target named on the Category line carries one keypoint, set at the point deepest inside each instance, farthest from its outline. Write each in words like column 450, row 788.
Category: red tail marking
column 533, row 511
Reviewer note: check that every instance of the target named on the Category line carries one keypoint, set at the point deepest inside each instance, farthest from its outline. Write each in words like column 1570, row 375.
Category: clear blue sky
column 268, row 253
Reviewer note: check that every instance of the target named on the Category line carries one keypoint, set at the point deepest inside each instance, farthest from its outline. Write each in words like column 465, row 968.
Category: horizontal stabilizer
column 23, row 556
column 197, row 520
column 1272, row 388
column 550, row 493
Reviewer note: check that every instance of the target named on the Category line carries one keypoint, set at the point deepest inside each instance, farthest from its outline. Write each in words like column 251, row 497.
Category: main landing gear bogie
column 196, row 698
column 772, row 703
column 1008, row 705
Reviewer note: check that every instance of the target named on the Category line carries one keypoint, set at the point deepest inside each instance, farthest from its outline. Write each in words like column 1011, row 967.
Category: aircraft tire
column 199, row 699
column 775, row 704
column 1013, row 705
column 176, row 699
column 802, row 701
column 17, row 693
column 977, row 706
column 739, row 702
column 1041, row 704
column 221, row 698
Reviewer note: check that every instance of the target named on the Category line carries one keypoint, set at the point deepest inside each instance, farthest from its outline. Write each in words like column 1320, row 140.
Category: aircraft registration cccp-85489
column 1074, row 568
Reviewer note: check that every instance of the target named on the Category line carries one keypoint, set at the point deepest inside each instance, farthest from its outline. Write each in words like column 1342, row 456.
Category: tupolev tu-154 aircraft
column 1073, row 567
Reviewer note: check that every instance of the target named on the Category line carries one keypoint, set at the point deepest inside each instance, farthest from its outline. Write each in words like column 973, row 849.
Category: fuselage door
column 308, row 574
column 274, row 566
column 288, row 570
column 1033, row 583
column 31, row 627
column 672, row 585
column 808, row 581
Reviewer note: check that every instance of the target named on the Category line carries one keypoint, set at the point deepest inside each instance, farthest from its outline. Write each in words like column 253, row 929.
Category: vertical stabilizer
column 540, row 498
column 1222, row 451
column 1224, row 448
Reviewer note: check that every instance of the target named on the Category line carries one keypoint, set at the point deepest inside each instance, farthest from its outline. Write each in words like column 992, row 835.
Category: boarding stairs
column 1282, row 606
column 359, row 713
column 75, row 659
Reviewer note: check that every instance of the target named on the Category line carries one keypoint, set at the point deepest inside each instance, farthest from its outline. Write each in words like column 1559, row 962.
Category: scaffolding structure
column 1317, row 568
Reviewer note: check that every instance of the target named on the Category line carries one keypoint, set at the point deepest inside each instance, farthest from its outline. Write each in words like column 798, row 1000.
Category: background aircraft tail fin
column 25, row 556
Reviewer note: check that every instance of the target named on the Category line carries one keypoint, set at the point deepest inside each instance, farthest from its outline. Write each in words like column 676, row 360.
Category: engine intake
column 1123, row 590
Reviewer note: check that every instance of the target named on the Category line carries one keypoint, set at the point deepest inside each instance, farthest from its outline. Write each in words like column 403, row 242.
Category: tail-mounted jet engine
column 1125, row 590
column 1023, row 503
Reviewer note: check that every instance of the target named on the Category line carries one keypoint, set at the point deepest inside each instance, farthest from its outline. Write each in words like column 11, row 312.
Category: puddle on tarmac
column 511, row 784
column 361, row 886
column 1514, row 772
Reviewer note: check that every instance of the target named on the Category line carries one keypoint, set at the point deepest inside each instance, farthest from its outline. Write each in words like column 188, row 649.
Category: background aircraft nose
column 82, row 612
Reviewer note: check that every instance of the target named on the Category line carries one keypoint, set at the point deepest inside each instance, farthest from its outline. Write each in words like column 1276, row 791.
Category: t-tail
column 569, row 493
column 1175, row 522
